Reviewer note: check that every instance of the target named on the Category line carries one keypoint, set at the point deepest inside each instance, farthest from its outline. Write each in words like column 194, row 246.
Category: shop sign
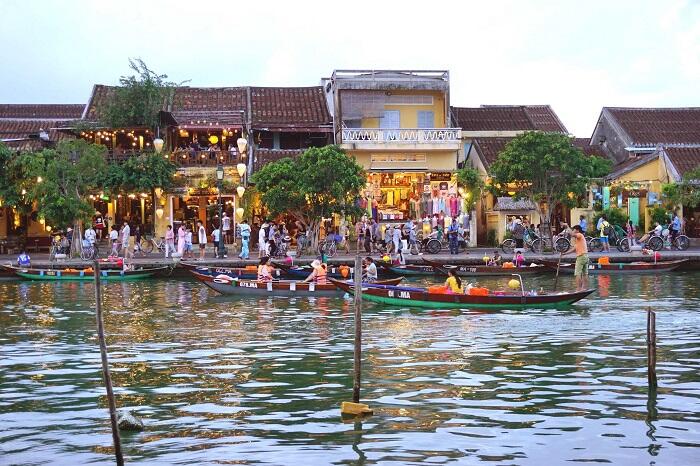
column 441, row 176
column 627, row 193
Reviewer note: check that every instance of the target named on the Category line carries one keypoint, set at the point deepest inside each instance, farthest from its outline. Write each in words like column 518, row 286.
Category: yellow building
column 397, row 124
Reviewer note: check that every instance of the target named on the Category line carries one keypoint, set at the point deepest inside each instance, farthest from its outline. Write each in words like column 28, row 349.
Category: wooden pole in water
column 358, row 331
column 105, row 367
column 651, row 348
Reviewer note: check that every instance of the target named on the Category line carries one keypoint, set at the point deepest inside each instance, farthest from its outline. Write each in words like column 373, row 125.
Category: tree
column 470, row 180
column 67, row 173
column 686, row 192
column 320, row 182
column 547, row 169
column 139, row 98
column 14, row 183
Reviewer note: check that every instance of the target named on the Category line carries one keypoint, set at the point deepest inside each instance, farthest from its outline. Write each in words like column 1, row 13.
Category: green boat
column 84, row 274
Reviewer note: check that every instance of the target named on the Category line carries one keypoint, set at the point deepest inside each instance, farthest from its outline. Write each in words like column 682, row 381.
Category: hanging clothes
column 441, row 204
column 426, row 205
column 436, row 205
column 454, row 205
column 448, row 210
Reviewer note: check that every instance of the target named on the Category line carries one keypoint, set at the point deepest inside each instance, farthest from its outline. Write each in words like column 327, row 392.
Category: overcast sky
column 576, row 56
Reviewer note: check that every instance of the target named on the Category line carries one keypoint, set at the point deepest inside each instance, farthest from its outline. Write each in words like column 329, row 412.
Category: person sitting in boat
column 519, row 260
column 265, row 270
column 370, row 275
column 23, row 260
column 319, row 274
column 496, row 260
column 453, row 283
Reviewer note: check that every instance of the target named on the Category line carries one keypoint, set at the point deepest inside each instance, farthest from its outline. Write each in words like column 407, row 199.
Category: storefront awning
column 508, row 203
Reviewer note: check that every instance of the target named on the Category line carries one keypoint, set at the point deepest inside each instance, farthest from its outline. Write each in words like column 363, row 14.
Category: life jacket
column 321, row 276
column 344, row 271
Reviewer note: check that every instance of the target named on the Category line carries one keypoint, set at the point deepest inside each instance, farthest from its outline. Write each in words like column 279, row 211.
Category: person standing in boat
column 319, row 274
column 265, row 270
column 581, row 249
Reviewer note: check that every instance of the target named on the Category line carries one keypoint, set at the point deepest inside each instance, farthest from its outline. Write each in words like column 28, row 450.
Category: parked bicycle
column 533, row 242
column 327, row 247
column 148, row 244
column 90, row 251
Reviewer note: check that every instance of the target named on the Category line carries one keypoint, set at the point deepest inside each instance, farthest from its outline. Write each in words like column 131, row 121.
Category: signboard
column 628, row 193
column 441, row 176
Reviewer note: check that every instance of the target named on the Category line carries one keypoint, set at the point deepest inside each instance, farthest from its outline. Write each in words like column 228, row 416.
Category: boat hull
column 485, row 270
column 233, row 272
column 282, row 288
column 417, row 297
column 81, row 275
column 620, row 267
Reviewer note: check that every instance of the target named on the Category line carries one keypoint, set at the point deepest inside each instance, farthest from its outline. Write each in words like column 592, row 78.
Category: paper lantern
column 242, row 145
column 240, row 190
column 514, row 284
column 241, row 169
column 239, row 213
column 213, row 139
column 158, row 145
column 159, row 212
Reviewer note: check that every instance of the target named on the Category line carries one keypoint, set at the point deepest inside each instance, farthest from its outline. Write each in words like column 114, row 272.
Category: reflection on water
column 261, row 380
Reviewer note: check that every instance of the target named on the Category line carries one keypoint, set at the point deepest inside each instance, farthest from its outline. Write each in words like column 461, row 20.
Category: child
column 188, row 242
column 496, row 259
column 518, row 260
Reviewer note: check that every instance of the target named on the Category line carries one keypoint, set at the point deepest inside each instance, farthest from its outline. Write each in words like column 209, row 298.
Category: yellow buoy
column 486, row 259
column 514, row 284
column 349, row 408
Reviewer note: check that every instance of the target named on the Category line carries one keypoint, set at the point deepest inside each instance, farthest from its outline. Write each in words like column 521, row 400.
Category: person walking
column 583, row 223
column 262, row 241
column 396, row 238
column 376, row 235
column 188, row 242
column 368, row 238
column 216, row 238
column 360, row 233
column 245, row 239
column 181, row 234
column 581, row 249
column 631, row 231
column 99, row 225
column 126, row 239
column 169, row 241
column 453, row 236
column 137, row 240
column 675, row 228
column 518, row 233
column 388, row 238
column 202, row 239
column 226, row 226
column 604, row 228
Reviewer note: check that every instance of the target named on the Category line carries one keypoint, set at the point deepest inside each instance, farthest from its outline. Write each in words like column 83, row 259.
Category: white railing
column 409, row 135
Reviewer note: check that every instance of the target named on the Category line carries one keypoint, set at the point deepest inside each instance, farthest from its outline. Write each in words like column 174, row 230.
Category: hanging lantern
column 242, row 145
column 159, row 212
column 213, row 139
column 240, row 190
column 158, row 145
column 241, row 169
column 239, row 213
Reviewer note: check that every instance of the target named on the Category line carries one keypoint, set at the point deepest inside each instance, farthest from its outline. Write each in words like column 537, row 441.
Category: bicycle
column 90, row 251
column 327, row 247
column 534, row 243
column 148, row 244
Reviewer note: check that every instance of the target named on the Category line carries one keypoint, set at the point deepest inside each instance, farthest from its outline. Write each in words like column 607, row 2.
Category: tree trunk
column 76, row 242
column 314, row 229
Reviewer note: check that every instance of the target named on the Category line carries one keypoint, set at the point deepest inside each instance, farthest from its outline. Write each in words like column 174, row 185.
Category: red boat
column 420, row 297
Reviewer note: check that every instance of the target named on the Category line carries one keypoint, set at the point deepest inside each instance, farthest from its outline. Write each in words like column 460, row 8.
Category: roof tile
column 41, row 111
column 508, row 118
column 652, row 126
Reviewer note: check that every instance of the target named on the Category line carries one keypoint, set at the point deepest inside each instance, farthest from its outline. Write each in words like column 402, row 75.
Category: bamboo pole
column 358, row 331
column 651, row 348
column 105, row 367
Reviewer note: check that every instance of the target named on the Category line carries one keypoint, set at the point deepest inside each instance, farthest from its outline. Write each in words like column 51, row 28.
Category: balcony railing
column 403, row 135
column 186, row 157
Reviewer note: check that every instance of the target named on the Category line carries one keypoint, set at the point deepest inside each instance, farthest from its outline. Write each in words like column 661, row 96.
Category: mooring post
column 358, row 331
column 651, row 348
column 105, row 367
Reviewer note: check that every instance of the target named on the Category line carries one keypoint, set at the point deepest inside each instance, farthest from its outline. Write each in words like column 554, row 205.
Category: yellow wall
column 409, row 113
column 653, row 171
column 435, row 160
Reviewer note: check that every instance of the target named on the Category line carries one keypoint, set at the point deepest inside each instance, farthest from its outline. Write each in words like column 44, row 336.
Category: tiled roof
column 27, row 131
column 684, row 159
column 585, row 145
column 265, row 156
column 271, row 106
column 652, row 126
column 508, row 118
column 289, row 106
column 489, row 148
column 41, row 111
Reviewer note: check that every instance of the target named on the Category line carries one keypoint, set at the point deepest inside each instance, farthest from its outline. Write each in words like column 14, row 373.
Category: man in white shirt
column 90, row 235
column 202, row 239
column 126, row 239
column 262, row 241
column 216, row 236
column 226, row 226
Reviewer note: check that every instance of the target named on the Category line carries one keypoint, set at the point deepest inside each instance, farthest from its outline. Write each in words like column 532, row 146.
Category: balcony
column 401, row 138
column 185, row 158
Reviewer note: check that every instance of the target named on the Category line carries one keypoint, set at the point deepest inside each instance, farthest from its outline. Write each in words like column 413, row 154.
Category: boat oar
column 556, row 277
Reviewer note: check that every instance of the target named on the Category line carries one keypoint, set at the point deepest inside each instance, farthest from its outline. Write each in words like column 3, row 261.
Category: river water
column 260, row 381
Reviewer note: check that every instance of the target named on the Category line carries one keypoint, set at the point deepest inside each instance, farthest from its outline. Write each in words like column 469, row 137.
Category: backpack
column 607, row 229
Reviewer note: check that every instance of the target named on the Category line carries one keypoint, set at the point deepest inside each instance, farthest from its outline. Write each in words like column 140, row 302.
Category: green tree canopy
column 144, row 173
column 320, row 182
column 546, row 168
column 13, row 182
column 470, row 180
column 139, row 98
column 685, row 192
column 68, row 173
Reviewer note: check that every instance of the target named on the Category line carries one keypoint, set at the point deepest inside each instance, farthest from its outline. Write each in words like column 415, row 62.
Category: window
column 391, row 119
column 426, row 119
column 392, row 158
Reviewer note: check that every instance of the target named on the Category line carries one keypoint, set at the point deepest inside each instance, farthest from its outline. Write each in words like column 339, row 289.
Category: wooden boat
column 303, row 271
column 284, row 288
column 620, row 267
column 419, row 297
column 247, row 273
column 408, row 270
column 84, row 274
column 485, row 270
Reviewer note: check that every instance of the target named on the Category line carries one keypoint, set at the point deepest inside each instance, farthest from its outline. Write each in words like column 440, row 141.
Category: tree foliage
column 13, row 181
column 613, row 215
column 546, row 168
column 470, row 180
column 685, row 192
column 320, row 182
column 68, row 173
column 139, row 98
column 144, row 173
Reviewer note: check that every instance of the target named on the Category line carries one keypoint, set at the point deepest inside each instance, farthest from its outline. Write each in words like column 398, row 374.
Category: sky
column 575, row 56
